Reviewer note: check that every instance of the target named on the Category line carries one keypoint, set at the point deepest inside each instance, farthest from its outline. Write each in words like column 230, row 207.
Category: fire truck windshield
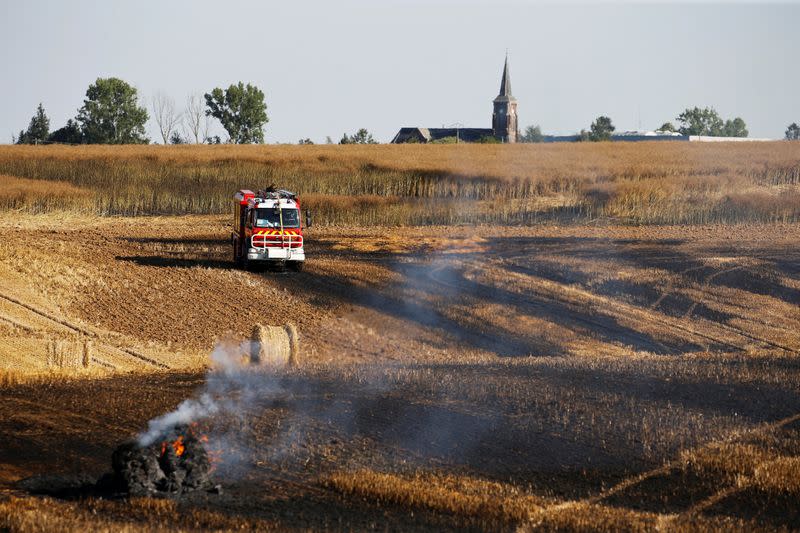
column 268, row 217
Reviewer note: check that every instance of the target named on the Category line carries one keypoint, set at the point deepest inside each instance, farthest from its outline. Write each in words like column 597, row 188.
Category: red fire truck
column 267, row 228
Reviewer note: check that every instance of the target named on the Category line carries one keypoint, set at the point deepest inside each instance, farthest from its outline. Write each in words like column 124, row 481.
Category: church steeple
column 505, row 82
column 504, row 118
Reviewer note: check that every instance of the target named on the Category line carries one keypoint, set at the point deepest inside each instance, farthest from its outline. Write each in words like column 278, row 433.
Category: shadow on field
column 440, row 279
column 560, row 429
column 665, row 255
column 176, row 262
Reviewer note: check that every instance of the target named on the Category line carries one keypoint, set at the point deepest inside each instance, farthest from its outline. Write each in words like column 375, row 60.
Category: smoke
column 266, row 413
column 231, row 386
column 188, row 411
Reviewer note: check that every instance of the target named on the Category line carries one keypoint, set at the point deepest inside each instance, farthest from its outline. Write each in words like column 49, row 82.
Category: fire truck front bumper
column 270, row 253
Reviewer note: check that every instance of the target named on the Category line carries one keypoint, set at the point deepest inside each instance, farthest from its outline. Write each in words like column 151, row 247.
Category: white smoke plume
column 230, row 387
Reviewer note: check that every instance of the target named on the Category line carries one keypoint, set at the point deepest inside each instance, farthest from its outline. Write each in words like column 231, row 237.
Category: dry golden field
column 640, row 183
column 577, row 373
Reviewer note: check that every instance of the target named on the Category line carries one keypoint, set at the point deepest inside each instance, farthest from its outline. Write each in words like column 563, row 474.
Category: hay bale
column 58, row 353
column 51, row 353
column 275, row 346
column 294, row 344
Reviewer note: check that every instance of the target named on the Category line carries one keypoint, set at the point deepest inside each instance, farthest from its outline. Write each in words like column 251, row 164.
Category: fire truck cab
column 267, row 228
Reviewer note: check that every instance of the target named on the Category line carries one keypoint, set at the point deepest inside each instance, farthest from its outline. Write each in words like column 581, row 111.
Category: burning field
column 440, row 378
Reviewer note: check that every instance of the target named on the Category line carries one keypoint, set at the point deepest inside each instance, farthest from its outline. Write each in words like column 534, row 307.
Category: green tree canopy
column 38, row 128
column 70, row 134
column 793, row 132
column 667, row 126
column 698, row 121
column 362, row 136
column 532, row 134
column 111, row 114
column 735, row 128
column 242, row 111
column 601, row 129
column 707, row 121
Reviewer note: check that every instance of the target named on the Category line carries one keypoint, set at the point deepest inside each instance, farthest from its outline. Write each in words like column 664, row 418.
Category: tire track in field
column 685, row 329
column 669, row 466
column 622, row 334
column 81, row 330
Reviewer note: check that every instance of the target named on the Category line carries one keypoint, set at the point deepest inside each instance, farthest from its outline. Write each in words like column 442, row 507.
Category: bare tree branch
column 165, row 115
column 197, row 122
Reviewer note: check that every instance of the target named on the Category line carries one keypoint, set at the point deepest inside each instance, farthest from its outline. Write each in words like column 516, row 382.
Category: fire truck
column 267, row 229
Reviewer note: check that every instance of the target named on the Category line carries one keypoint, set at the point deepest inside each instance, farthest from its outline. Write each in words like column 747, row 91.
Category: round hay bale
column 294, row 344
column 275, row 346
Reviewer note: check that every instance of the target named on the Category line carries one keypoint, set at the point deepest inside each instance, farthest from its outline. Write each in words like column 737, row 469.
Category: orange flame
column 177, row 445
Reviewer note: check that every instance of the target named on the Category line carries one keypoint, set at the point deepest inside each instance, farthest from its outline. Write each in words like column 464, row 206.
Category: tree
column 195, row 119
column 362, row 136
column 793, row 132
column 698, row 121
column 38, row 128
column 111, row 114
column 328, row 139
column 165, row 115
column 601, row 129
column 667, row 127
column 305, row 141
column 69, row 134
column 735, row 128
column 177, row 138
column 533, row 134
column 242, row 111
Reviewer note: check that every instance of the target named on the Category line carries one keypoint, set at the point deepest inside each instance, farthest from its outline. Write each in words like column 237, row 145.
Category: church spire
column 505, row 85
column 504, row 118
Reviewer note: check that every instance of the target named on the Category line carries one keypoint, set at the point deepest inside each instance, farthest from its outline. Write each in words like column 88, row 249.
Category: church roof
column 505, row 86
column 425, row 135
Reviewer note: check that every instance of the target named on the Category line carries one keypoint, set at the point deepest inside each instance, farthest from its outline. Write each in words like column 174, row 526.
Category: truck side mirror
column 309, row 219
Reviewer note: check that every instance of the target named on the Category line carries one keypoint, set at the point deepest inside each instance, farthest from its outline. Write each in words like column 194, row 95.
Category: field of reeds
column 638, row 183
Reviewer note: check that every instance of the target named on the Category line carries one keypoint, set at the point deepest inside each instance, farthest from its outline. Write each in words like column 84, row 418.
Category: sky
column 329, row 67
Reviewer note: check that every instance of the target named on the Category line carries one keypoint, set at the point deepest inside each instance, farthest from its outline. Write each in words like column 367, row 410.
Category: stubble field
column 588, row 374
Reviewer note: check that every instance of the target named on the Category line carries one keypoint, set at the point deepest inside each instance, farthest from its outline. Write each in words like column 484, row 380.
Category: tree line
column 113, row 114
column 693, row 121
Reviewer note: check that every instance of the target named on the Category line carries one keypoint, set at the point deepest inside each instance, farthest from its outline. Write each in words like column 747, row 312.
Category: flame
column 177, row 445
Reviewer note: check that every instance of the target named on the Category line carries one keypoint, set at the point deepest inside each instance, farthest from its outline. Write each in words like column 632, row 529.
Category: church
column 505, row 125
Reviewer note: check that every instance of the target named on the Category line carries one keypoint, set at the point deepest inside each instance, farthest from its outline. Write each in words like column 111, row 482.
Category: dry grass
column 489, row 505
column 36, row 196
column 647, row 183
column 781, row 475
column 443, row 493
column 28, row 514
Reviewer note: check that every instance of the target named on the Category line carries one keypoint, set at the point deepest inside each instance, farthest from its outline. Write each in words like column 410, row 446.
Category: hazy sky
column 329, row 67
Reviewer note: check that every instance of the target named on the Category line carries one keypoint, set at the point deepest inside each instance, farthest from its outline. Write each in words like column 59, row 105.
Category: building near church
column 505, row 123
column 505, row 127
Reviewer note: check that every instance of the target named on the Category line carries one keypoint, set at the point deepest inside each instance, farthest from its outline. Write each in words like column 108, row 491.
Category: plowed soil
column 450, row 377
